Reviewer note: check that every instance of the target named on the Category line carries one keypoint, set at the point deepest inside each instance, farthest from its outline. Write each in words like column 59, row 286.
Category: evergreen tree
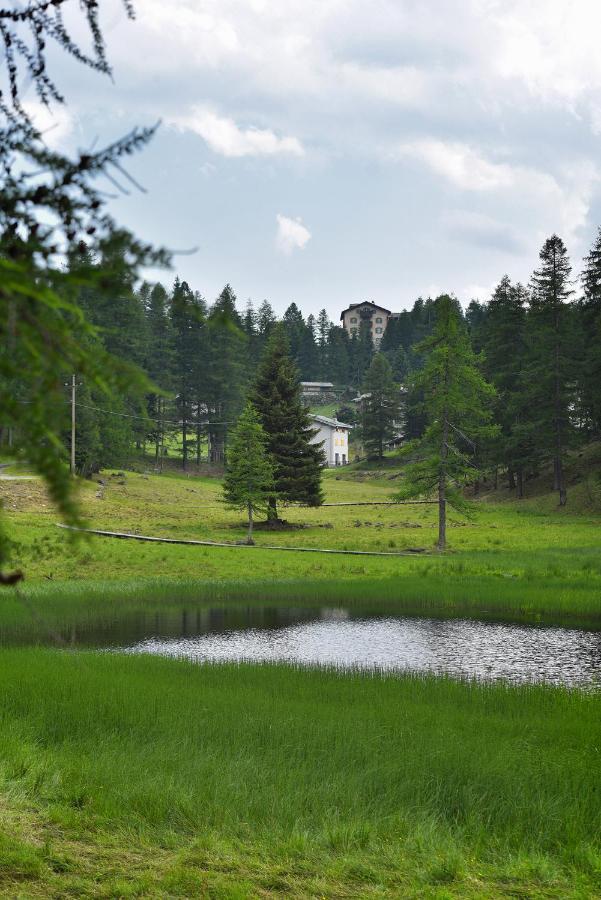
column 338, row 355
column 552, row 358
column 361, row 350
column 227, row 369
column 456, row 405
column 308, row 357
column 249, row 480
column 188, row 322
column 322, row 333
column 158, row 363
column 276, row 397
column 475, row 318
column 294, row 326
column 590, row 329
column 381, row 410
column 503, row 338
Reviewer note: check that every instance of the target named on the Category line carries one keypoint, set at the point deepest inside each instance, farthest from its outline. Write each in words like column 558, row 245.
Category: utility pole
column 73, row 425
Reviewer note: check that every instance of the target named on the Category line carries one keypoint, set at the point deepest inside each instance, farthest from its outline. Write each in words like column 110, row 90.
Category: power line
column 110, row 412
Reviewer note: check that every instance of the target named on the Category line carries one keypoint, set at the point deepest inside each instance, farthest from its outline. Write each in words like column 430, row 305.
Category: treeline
column 202, row 358
column 539, row 345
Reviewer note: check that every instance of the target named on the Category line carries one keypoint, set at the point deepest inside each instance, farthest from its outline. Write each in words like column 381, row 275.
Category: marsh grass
column 369, row 780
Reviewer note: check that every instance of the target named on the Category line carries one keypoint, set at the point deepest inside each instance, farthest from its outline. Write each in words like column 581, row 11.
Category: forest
column 537, row 345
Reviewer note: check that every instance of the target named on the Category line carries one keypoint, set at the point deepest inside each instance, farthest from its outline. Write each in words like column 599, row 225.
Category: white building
column 334, row 435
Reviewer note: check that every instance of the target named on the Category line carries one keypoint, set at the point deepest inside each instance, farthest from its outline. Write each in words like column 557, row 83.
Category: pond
column 349, row 639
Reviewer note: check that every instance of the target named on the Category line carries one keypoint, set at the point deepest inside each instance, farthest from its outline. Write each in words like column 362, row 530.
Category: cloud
column 458, row 163
column 225, row 137
column 482, row 230
column 56, row 125
column 291, row 234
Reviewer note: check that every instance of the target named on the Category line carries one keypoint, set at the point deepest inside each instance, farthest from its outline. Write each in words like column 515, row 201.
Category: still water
column 348, row 639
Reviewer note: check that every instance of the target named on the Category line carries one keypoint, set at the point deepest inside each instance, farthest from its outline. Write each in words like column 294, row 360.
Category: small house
column 333, row 435
column 317, row 391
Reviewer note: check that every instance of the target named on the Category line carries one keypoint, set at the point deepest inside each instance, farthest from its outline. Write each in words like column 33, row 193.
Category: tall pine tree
column 456, row 403
column 552, row 359
column 249, row 481
column 590, row 328
column 381, row 409
column 277, row 399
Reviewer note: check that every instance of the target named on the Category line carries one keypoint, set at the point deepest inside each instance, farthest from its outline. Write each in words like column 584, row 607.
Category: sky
column 332, row 151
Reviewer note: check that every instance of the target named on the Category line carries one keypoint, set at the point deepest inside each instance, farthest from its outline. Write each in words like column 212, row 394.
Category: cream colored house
column 333, row 436
column 375, row 316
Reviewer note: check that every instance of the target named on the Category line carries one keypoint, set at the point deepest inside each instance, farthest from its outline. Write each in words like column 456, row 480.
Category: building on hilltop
column 333, row 436
column 376, row 317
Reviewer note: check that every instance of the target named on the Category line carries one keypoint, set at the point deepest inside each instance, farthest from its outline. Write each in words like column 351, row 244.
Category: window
column 378, row 321
column 378, row 331
column 353, row 321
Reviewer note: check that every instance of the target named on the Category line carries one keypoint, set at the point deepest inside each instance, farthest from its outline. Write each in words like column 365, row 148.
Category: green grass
column 512, row 559
column 135, row 776
column 260, row 781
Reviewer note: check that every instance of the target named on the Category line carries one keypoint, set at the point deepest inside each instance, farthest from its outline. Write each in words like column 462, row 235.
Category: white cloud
column 291, row 234
column 225, row 137
column 460, row 164
column 56, row 125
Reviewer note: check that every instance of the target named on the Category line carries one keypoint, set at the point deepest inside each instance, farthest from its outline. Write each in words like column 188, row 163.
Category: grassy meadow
column 134, row 776
column 138, row 776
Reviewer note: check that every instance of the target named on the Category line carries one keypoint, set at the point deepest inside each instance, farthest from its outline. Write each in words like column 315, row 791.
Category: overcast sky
column 330, row 151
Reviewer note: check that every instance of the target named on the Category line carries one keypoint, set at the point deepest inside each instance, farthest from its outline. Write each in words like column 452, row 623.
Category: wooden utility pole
column 73, row 425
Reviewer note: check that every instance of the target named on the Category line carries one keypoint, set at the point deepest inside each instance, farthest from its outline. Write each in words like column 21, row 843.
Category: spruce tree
column 249, row 480
column 227, row 369
column 323, row 331
column 277, row 399
column 456, row 404
column 338, row 356
column 381, row 409
column 158, row 363
column 590, row 328
column 186, row 321
column 552, row 359
column 503, row 339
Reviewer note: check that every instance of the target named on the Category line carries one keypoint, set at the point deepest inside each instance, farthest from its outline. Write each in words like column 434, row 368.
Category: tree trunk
column 249, row 539
column 520, row 484
column 561, row 484
column 272, row 510
column 511, row 479
column 442, row 487
column 161, row 434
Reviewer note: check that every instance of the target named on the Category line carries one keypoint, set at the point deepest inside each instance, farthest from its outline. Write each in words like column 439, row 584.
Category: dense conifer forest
column 538, row 345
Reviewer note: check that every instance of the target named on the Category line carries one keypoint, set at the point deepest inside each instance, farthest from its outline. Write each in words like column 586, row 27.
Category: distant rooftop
column 316, row 384
column 333, row 423
column 365, row 303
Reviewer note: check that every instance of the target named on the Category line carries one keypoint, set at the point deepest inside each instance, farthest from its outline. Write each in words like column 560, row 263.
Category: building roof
column 333, row 423
column 316, row 384
column 364, row 303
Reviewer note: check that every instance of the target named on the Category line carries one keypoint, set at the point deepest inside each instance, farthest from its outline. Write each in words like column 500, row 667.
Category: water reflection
column 462, row 648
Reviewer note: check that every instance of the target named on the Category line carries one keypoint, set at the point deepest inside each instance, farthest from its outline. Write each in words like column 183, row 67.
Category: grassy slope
column 528, row 557
column 146, row 777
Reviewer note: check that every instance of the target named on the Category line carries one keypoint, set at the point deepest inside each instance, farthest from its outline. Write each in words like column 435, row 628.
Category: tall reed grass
column 275, row 757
